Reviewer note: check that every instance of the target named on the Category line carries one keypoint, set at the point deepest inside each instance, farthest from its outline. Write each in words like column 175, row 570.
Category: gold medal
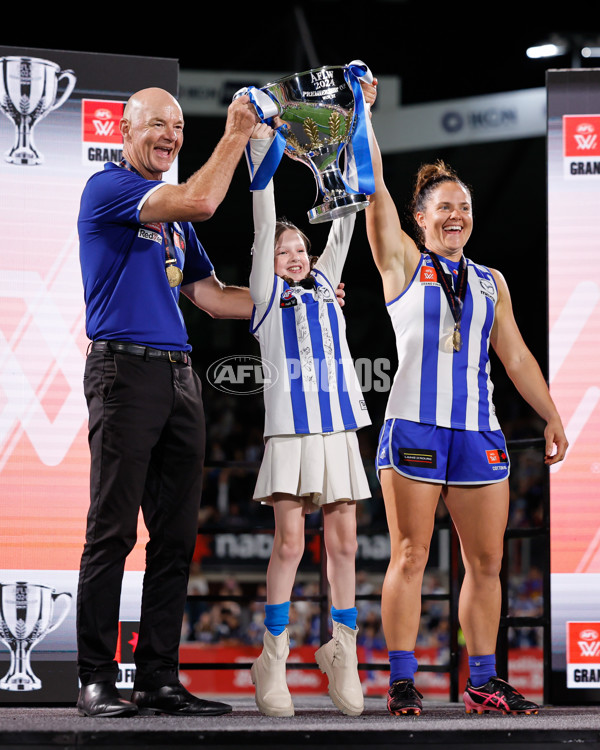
column 174, row 274
column 456, row 339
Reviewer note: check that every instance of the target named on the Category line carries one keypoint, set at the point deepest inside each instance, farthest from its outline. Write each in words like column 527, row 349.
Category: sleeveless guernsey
column 433, row 383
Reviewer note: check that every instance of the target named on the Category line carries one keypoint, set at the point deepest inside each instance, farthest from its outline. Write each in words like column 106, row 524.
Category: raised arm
column 524, row 371
column 332, row 259
column 394, row 252
column 199, row 197
column 264, row 216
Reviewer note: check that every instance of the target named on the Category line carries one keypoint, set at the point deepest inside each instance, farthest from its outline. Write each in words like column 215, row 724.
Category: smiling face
column 447, row 220
column 152, row 128
column 291, row 256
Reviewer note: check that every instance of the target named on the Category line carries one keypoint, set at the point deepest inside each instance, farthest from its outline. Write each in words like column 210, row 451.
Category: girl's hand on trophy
column 262, row 131
column 369, row 91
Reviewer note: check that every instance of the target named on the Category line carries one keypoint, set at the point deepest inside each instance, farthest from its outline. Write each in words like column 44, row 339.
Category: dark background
column 439, row 51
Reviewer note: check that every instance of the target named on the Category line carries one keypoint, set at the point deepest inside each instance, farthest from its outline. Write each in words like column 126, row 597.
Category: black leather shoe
column 175, row 700
column 102, row 699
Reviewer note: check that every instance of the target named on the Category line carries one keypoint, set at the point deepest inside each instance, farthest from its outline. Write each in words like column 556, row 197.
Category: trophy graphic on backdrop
column 322, row 112
column 26, row 612
column 28, row 92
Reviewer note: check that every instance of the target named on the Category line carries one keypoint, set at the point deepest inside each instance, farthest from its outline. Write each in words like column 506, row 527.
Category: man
column 146, row 420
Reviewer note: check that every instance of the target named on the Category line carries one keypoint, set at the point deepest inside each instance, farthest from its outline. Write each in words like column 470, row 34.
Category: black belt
column 147, row 352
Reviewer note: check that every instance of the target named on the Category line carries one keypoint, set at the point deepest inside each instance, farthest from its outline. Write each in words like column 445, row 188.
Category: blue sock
column 346, row 616
column 277, row 617
column 403, row 665
column 481, row 669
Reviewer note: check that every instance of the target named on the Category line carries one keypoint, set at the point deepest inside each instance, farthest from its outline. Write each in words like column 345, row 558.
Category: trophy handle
column 67, row 92
column 64, row 613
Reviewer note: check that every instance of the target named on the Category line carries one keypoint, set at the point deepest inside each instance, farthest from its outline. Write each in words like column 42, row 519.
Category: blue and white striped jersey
column 433, row 383
column 302, row 332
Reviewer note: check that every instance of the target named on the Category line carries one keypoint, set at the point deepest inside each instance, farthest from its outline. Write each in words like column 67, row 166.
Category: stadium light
column 578, row 46
column 547, row 49
column 590, row 52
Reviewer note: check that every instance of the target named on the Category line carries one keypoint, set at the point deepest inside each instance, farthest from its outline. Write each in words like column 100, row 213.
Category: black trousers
column 147, row 442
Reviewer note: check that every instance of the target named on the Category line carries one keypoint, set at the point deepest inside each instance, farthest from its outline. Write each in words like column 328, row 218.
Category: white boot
column 338, row 660
column 268, row 675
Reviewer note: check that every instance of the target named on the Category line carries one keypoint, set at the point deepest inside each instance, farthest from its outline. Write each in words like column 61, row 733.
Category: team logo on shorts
column 497, row 457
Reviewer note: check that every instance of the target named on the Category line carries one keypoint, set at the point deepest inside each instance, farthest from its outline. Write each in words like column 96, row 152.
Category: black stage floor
column 317, row 725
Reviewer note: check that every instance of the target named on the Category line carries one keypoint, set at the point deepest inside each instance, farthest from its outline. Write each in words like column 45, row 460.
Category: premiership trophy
column 319, row 114
column 26, row 613
column 28, row 92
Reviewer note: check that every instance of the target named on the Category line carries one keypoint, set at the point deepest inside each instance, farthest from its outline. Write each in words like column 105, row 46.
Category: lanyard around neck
column 173, row 272
column 455, row 294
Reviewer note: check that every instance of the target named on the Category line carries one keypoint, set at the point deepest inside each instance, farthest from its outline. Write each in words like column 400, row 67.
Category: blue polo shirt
column 127, row 294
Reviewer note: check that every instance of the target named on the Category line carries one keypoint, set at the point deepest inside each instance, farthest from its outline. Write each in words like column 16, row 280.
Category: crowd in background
column 235, row 444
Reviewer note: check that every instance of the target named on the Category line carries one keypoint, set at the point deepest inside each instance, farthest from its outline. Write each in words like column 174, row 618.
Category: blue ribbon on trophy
column 351, row 119
column 358, row 171
column 266, row 109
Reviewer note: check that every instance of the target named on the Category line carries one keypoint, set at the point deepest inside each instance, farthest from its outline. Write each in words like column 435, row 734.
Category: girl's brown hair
column 282, row 225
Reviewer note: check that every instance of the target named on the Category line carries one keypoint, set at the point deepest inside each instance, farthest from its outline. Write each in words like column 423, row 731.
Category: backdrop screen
column 574, row 324
column 45, row 160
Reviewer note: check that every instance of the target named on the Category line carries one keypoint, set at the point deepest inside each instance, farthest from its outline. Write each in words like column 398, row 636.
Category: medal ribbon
column 455, row 293
column 164, row 227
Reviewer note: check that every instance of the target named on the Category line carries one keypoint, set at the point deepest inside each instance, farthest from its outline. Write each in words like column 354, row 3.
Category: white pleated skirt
column 318, row 469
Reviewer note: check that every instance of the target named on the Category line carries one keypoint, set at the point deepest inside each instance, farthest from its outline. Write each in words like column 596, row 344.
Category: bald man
column 138, row 251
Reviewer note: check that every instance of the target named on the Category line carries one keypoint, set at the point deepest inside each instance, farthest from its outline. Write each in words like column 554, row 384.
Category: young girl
column 311, row 459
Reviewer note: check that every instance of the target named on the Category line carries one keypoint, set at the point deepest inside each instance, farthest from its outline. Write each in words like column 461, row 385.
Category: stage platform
column 317, row 725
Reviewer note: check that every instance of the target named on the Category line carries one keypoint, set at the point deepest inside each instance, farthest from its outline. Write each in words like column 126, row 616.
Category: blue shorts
column 441, row 454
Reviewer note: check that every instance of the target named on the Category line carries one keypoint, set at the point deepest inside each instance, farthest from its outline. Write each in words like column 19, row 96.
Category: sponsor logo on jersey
column 288, row 299
column 145, row 233
column 488, row 288
column 496, row 457
column 324, row 293
column 428, row 275
column 418, row 457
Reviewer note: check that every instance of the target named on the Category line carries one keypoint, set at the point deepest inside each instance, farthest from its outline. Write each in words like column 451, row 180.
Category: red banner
column 526, row 668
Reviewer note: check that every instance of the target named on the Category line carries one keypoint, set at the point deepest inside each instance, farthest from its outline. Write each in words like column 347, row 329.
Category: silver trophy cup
column 26, row 616
column 318, row 112
column 28, row 92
